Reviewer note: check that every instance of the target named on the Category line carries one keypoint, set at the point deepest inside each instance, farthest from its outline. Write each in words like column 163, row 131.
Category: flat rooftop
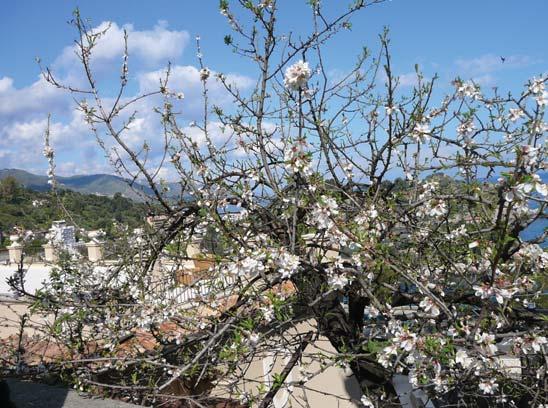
column 36, row 275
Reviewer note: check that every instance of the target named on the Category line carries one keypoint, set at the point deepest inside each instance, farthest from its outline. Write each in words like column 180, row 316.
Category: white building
column 62, row 234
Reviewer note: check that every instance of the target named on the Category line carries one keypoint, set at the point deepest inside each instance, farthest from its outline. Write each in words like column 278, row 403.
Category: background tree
column 9, row 189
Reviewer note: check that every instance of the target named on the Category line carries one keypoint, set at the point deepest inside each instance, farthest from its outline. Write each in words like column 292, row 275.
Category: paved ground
column 32, row 395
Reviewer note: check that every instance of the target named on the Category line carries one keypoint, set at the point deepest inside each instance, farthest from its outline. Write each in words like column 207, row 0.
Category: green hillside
column 35, row 210
column 101, row 184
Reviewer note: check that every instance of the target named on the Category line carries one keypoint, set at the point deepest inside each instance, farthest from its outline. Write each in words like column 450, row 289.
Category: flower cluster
column 323, row 212
column 204, row 74
column 488, row 386
column 537, row 88
column 432, row 206
column 421, row 132
column 497, row 290
column 466, row 128
column 368, row 222
column 287, row 264
column 297, row 76
column 515, row 114
column 530, row 156
column 467, row 89
column 247, row 266
column 49, row 154
column 403, row 340
column 298, row 159
column 520, row 191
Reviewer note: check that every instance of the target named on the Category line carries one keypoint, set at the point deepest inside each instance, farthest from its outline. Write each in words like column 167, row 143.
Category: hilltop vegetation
column 35, row 210
column 99, row 184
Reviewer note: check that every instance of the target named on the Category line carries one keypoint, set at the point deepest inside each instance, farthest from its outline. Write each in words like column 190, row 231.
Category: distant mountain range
column 104, row 184
column 99, row 184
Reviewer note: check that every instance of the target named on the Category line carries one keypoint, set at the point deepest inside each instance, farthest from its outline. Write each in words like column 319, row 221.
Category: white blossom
column 297, row 76
column 204, row 74
column 391, row 109
column 338, row 281
column 253, row 338
column 438, row 208
column 487, row 342
column 542, row 98
column 405, row 340
column 366, row 402
column 287, row 264
column 457, row 233
column 536, row 86
column 48, row 152
column 515, row 114
column 297, row 158
column 539, row 186
column 461, row 357
column 430, row 306
column 245, row 267
column 466, row 128
column 537, row 343
column 421, row 132
column 502, row 294
column 323, row 211
column 533, row 343
column 467, row 89
column 530, row 155
column 268, row 313
column 488, row 387
column 385, row 356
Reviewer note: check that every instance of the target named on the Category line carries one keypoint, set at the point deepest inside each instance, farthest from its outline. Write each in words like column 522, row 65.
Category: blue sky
column 450, row 38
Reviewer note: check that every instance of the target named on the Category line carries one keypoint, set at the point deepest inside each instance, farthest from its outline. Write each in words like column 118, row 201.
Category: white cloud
column 69, row 168
column 137, row 132
column 408, row 80
column 20, row 133
column 30, row 100
column 151, row 46
column 217, row 132
column 24, row 111
column 186, row 79
column 484, row 69
column 485, row 80
column 405, row 80
column 23, row 122
column 489, row 63
column 23, row 141
column 6, row 84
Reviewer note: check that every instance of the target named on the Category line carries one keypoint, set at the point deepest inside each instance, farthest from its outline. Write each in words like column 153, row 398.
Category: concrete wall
column 4, row 255
column 326, row 388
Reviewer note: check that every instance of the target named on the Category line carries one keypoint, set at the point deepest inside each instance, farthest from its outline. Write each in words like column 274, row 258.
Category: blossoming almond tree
column 313, row 190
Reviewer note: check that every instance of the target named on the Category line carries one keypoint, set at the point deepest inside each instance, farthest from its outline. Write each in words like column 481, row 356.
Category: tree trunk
column 334, row 323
